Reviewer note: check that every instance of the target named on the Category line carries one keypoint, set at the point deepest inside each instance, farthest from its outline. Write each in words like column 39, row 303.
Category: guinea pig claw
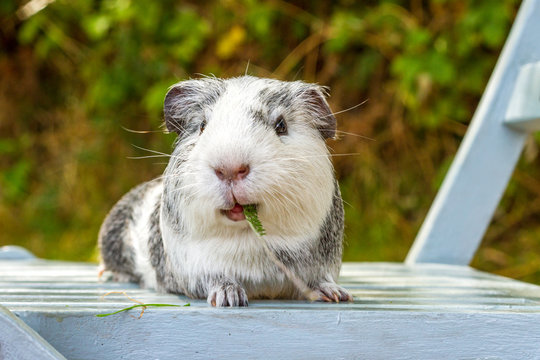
column 325, row 298
column 332, row 292
column 227, row 294
column 346, row 296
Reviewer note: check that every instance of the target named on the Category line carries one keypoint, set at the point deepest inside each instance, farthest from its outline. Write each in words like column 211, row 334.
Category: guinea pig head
column 249, row 141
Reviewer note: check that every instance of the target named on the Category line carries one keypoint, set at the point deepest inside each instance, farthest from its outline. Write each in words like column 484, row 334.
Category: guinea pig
column 241, row 141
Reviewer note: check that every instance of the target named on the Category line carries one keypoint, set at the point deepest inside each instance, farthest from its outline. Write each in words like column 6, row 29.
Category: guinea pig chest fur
column 241, row 141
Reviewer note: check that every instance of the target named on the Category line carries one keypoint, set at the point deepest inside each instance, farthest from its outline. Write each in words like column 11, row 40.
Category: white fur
column 139, row 234
column 291, row 177
column 291, row 180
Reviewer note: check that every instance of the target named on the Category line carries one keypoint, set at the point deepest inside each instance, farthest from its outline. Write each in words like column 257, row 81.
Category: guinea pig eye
column 202, row 126
column 280, row 126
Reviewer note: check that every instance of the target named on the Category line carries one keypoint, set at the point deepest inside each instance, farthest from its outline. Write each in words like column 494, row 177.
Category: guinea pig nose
column 232, row 172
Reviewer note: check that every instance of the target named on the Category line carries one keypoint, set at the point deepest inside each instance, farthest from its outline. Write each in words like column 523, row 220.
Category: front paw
column 227, row 294
column 332, row 292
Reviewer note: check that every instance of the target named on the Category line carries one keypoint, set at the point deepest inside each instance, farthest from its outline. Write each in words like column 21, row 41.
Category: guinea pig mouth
column 236, row 213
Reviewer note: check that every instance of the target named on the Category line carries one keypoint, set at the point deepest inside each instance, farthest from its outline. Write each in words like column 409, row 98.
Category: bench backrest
column 473, row 187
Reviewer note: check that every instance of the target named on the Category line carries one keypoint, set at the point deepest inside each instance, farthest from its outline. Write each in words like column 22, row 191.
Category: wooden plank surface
column 400, row 312
column 19, row 341
column 43, row 284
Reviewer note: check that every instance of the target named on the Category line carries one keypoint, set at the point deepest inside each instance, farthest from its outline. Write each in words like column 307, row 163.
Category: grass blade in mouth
column 250, row 211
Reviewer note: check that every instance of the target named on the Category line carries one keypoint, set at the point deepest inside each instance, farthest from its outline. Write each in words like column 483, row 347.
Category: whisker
column 184, row 187
column 283, row 199
column 349, row 109
column 296, row 158
column 176, row 126
column 141, row 131
column 176, row 175
column 357, row 135
column 192, row 195
column 347, row 203
column 346, row 154
column 247, row 68
column 163, row 176
column 306, row 157
column 152, row 151
column 146, row 157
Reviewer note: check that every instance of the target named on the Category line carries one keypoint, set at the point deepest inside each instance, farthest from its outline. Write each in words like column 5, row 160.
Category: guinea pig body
column 240, row 141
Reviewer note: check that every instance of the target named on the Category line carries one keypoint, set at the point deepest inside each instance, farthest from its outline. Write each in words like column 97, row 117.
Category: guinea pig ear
column 188, row 99
column 325, row 120
column 174, row 108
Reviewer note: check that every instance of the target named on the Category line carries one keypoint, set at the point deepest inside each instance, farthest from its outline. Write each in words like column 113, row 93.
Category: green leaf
column 417, row 39
column 153, row 100
column 250, row 211
column 97, row 26
column 30, row 29
column 8, row 146
column 345, row 28
column 15, row 180
column 260, row 19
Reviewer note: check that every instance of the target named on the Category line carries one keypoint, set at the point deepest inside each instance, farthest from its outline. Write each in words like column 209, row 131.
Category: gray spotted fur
column 184, row 110
column 114, row 240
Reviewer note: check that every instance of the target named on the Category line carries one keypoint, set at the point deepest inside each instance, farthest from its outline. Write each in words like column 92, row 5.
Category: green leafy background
column 77, row 75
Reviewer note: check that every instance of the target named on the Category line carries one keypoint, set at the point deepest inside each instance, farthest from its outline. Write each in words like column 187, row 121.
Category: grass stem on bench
column 139, row 304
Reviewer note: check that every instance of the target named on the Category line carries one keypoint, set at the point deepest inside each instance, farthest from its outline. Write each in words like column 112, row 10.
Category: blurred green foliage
column 78, row 75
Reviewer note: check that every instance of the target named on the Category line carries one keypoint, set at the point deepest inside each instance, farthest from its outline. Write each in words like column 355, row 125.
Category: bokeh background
column 82, row 84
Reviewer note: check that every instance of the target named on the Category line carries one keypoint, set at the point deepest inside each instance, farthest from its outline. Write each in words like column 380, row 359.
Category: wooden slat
column 401, row 312
column 38, row 284
column 485, row 161
column 19, row 341
column 524, row 107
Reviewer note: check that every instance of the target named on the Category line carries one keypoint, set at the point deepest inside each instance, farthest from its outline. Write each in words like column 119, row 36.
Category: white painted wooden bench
column 433, row 306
